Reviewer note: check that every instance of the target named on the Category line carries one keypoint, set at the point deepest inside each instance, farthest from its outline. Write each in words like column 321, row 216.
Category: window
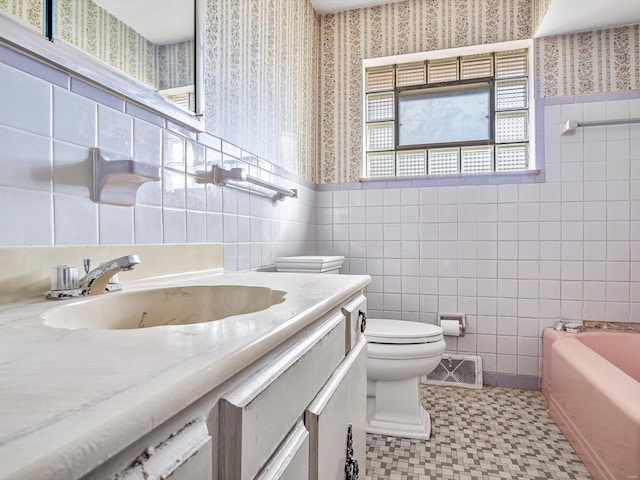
column 464, row 114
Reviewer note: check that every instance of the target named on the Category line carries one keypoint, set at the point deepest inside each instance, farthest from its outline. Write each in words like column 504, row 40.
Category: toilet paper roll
column 450, row 327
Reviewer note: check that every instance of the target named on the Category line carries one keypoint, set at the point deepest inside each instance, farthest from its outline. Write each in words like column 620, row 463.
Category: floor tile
column 493, row 433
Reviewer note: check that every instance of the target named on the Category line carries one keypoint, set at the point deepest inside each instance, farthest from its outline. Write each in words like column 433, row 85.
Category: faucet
column 99, row 280
column 95, row 281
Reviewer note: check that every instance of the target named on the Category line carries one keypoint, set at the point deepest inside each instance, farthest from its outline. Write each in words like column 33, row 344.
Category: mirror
column 150, row 41
column 105, row 43
column 29, row 13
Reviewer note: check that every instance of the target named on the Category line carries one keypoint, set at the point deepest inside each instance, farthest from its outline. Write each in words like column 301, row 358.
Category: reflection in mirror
column 29, row 12
column 151, row 41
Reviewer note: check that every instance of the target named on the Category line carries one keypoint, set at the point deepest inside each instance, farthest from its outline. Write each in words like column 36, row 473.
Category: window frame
column 535, row 158
column 468, row 143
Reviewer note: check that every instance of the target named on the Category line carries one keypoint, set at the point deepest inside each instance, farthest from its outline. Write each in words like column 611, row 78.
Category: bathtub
column 592, row 383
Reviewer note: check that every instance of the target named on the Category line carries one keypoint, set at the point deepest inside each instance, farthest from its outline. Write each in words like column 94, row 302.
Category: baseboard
column 524, row 382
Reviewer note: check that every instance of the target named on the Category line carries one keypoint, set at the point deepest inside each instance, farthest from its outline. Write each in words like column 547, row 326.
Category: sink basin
column 162, row 306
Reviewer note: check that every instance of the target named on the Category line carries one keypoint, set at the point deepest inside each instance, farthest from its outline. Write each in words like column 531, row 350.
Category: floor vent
column 458, row 370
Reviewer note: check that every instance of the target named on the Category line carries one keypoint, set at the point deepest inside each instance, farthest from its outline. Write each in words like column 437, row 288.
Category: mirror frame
column 78, row 64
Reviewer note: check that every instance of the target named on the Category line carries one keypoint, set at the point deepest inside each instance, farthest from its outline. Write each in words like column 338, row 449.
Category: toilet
column 399, row 353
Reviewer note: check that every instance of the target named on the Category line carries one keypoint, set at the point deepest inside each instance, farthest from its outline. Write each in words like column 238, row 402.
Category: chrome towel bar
column 569, row 127
column 220, row 176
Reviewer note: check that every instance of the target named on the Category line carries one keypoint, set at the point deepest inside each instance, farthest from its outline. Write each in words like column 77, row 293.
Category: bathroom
column 283, row 98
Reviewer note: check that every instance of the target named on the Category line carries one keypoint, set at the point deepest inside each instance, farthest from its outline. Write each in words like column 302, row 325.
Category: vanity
column 274, row 393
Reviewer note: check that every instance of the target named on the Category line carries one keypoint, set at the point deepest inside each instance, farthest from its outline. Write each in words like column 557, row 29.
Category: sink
column 162, row 306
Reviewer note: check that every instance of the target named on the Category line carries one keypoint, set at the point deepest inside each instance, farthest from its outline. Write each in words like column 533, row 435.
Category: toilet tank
column 310, row 264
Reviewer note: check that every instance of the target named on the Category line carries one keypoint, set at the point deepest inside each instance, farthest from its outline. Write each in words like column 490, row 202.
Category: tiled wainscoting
column 48, row 122
column 515, row 254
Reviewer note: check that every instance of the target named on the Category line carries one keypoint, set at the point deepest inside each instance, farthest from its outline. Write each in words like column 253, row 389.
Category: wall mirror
column 150, row 51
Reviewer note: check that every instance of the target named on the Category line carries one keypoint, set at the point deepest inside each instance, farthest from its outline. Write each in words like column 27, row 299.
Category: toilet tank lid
column 400, row 331
column 312, row 259
column 314, row 263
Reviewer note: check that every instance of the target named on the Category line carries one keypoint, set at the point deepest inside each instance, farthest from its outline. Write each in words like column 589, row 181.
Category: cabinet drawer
column 354, row 320
column 257, row 415
column 341, row 402
column 291, row 461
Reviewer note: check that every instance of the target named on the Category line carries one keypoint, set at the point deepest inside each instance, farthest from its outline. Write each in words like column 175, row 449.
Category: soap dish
column 117, row 178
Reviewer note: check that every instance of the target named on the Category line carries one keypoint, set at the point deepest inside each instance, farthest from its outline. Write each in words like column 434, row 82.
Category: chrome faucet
column 95, row 281
column 98, row 280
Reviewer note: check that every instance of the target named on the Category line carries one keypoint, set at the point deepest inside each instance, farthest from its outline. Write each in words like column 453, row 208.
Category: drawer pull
column 351, row 464
column 363, row 322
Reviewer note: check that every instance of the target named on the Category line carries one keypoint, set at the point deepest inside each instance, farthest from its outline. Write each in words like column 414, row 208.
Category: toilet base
column 393, row 408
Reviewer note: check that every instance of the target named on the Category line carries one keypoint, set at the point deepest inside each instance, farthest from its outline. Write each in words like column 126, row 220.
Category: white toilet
column 398, row 354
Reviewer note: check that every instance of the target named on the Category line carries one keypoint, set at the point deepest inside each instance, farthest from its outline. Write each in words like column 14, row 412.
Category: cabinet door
column 342, row 402
column 291, row 461
column 186, row 455
column 355, row 312
column 257, row 415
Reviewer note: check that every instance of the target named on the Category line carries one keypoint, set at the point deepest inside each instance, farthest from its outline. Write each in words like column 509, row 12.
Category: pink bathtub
column 592, row 382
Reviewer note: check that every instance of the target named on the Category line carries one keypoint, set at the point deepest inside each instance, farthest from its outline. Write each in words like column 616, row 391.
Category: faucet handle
column 87, row 265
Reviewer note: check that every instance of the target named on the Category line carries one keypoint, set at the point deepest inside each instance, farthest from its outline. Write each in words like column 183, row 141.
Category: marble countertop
column 70, row 398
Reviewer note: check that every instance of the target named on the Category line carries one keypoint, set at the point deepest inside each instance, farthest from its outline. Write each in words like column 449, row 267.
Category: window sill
column 486, row 178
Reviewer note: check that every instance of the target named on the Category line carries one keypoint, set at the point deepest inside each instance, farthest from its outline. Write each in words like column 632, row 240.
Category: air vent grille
column 458, row 370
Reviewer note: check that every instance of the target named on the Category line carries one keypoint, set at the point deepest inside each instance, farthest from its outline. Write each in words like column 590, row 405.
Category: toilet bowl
column 398, row 354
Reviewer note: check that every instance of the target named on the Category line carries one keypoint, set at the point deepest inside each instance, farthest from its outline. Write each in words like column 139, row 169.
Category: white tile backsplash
column 25, row 100
column 196, row 227
column 148, row 224
column 25, row 160
column 29, row 224
column 74, row 118
column 116, row 225
column 72, row 169
column 76, row 220
column 147, row 142
column 46, row 179
column 115, row 130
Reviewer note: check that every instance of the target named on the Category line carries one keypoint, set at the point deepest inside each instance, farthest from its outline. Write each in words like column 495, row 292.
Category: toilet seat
column 406, row 351
column 394, row 332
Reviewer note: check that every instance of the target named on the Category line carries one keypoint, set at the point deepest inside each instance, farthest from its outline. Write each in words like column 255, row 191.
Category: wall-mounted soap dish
column 117, row 177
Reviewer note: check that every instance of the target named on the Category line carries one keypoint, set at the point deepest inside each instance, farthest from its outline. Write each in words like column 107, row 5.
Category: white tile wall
column 514, row 257
column 45, row 182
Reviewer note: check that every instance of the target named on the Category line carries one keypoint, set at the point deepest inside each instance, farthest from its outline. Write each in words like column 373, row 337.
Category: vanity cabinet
column 340, row 404
column 291, row 461
column 258, row 414
column 297, row 412
column 355, row 312
column 262, row 434
column 185, row 455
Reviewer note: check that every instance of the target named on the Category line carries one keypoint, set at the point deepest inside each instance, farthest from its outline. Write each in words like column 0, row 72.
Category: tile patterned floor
column 493, row 433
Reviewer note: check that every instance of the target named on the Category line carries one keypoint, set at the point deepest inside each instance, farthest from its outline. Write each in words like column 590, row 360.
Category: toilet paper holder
column 461, row 318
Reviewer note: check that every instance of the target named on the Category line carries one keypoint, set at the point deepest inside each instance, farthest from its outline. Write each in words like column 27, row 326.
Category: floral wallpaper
column 261, row 79
column 286, row 83
column 539, row 10
column 95, row 31
column 582, row 63
column 346, row 38
column 589, row 62
column 30, row 11
column 175, row 64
